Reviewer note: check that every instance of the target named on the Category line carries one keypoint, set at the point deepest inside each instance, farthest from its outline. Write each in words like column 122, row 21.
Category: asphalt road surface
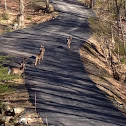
column 65, row 94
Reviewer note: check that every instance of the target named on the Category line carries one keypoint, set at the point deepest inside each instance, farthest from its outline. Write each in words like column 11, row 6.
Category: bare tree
column 21, row 15
column 117, row 7
column 5, row 5
column 122, row 31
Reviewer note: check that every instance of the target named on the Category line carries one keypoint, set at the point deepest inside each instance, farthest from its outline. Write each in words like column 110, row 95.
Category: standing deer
column 40, row 55
column 20, row 70
column 15, row 70
column 69, row 39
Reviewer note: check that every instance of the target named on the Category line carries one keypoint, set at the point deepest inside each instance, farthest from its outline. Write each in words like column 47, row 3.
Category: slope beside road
column 65, row 94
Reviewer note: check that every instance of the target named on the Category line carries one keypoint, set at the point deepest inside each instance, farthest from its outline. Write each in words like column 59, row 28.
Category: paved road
column 65, row 94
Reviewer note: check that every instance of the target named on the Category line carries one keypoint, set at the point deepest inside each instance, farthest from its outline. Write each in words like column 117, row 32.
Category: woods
column 104, row 53
column 16, row 14
column 110, row 28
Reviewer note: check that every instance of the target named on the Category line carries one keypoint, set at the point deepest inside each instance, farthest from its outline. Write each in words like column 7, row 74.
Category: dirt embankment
column 104, row 53
column 101, row 73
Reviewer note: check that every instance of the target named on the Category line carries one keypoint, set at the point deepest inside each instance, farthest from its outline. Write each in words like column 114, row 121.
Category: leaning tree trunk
column 21, row 15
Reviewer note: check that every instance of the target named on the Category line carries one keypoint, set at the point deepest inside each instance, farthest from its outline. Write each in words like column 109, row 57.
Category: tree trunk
column 125, row 5
column 47, row 5
column 5, row 4
column 122, row 31
column 117, row 7
column 113, row 40
column 21, row 16
column 92, row 3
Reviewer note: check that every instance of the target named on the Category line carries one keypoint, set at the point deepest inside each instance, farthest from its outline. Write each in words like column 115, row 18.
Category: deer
column 69, row 39
column 23, row 63
column 40, row 56
column 15, row 70
column 20, row 70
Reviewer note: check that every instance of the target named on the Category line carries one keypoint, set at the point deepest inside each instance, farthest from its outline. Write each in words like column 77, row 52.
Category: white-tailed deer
column 20, row 70
column 69, row 39
column 40, row 55
column 15, row 70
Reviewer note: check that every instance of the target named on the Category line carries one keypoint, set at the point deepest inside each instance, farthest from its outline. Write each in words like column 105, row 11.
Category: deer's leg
column 36, row 61
column 39, row 61
column 68, row 45
column 42, row 57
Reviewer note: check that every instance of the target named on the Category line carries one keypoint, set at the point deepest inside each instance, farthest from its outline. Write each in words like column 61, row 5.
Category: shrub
column 123, row 60
column 8, row 29
column 29, row 18
column 120, row 45
column 99, row 27
column 5, row 16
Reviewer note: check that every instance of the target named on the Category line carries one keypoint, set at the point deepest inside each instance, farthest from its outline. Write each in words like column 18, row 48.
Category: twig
column 35, row 101
column 46, row 121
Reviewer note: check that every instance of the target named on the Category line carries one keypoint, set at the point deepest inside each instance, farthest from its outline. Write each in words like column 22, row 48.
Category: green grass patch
column 4, row 58
column 5, row 79
column 8, row 29
column 121, row 49
column 5, row 89
column 98, row 27
column 123, row 60
column 81, row 1
column 29, row 18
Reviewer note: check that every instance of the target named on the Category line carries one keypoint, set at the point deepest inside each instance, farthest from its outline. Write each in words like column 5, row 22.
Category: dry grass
column 99, row 72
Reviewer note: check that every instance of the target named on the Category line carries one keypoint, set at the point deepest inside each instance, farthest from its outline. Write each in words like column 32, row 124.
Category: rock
column 6, row 119
column 51, row 8
column 6, row 106
column 23, row 120
column 2, row 122
column 123, row 77
column 15, row 26
column 18, row 110
column 9, row 113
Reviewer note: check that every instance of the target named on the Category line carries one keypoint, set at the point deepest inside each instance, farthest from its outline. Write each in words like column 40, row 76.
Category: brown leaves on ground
column 101, row 73
column 34, row 13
